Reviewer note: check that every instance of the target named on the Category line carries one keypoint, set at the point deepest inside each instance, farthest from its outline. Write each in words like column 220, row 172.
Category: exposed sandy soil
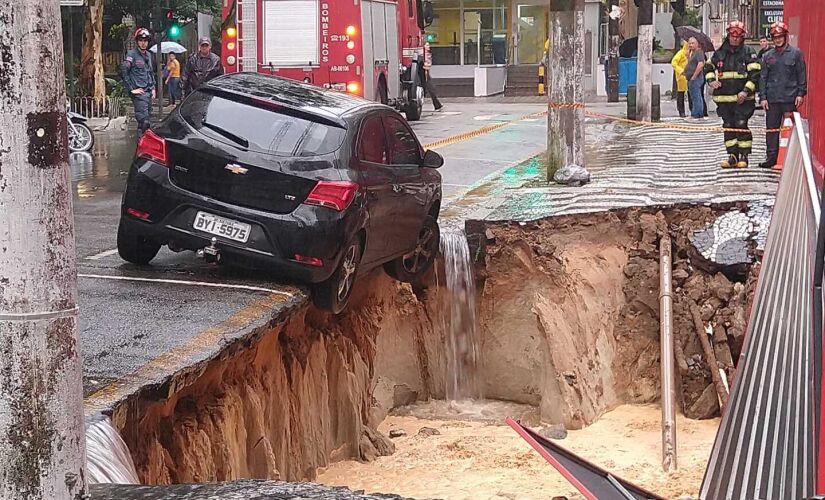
column 477, row 460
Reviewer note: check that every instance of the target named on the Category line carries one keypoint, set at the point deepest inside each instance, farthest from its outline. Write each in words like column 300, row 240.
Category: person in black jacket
column 733, row 73
column 783, row 86
column 201, row 66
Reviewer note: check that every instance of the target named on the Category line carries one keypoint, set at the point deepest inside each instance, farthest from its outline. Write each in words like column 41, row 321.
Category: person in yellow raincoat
column 679, row 62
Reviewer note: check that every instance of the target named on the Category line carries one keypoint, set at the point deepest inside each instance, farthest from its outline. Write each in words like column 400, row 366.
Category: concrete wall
column 452, row 71
column 663, row 30
column 489, row 80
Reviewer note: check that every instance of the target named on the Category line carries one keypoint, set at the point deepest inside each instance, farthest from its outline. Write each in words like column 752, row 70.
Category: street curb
column 177, row 368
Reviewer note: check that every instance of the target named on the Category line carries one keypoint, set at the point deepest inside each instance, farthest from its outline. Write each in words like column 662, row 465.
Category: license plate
column 222, row 226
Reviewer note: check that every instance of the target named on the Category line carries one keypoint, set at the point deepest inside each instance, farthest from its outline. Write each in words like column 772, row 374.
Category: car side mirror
column 432, row 159
column 429, row 14
column 425, row 13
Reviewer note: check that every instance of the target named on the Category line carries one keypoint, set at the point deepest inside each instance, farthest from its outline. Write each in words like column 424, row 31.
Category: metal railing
column 98, row 107
column 767, row 442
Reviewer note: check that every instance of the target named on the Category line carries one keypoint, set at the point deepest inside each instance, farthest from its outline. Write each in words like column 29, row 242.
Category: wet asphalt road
column 139, row 325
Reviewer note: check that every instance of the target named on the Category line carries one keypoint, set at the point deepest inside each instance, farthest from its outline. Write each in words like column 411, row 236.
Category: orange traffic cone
column 784, row 141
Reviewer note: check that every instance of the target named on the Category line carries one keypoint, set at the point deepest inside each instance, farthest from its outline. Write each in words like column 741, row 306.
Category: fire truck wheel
column 415, row 100
column 382, row 95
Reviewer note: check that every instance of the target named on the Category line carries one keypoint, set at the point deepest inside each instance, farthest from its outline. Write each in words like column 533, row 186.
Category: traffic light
column 170, row 23
column 174, row 30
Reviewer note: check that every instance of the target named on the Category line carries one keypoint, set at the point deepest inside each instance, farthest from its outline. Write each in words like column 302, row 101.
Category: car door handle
column 396, row 188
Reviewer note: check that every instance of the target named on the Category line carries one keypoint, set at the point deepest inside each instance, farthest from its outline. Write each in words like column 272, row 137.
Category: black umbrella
column 687, row 32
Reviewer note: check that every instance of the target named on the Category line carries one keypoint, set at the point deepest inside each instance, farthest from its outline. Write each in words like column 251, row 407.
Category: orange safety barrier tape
column 673, row 126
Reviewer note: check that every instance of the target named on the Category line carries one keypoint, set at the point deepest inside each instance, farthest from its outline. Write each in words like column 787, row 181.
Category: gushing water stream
column 459, row 319
column 107, row 457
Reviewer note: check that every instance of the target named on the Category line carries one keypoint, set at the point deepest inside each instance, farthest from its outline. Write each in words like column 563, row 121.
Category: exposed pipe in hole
column 667, row 357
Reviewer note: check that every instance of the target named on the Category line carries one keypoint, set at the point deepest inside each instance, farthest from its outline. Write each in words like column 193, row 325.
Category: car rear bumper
column 274, row 239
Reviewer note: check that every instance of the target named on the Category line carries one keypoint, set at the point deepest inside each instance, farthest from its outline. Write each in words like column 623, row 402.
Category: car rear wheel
column 332, row 295
column 411, row 267
column 135, row 248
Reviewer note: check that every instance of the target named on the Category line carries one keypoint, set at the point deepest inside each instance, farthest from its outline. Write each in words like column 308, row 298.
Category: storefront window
column 464, row 30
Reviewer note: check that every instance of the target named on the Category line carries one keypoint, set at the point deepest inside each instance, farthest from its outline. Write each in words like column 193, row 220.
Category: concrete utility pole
column 644, row 71
column 42, row 442
column 613, row 54
column 565, row 113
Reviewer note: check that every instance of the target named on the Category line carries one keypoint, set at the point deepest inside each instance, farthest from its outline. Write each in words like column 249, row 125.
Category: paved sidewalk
column 629, row 166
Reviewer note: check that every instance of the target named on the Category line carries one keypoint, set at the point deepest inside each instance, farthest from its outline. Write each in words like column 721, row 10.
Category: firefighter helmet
column 142, row 34
column 737, row 28
column 779, row 29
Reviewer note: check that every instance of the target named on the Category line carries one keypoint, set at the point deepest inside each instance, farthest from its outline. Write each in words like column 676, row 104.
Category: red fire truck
column 372, row 48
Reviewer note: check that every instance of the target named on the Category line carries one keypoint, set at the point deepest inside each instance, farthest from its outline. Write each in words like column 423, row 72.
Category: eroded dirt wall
column 297, row 397
column 570, row 312
column 569, row 323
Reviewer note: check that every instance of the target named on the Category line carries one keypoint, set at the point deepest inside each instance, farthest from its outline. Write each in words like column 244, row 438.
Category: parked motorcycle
column 81, row 137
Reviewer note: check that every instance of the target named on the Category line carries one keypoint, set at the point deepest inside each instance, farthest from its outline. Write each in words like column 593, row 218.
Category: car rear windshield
column 258, row 127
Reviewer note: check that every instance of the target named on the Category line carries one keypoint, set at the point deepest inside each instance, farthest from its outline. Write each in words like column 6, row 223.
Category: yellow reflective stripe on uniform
column 730, row 98
column 750, row 86
column 731, row 143
column 745, row 144
column 732, row 75
column 710, row 76
column 754, row 66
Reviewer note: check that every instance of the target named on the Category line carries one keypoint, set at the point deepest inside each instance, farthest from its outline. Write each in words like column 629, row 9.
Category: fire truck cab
column 371, row 48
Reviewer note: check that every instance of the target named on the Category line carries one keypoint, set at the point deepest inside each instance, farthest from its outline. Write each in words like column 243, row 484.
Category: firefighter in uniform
column 733, row 74
column 783, row 86
column 139, row 78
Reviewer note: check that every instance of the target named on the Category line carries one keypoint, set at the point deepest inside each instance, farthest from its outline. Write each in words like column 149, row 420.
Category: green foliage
column 140, row 10
column 115, row 88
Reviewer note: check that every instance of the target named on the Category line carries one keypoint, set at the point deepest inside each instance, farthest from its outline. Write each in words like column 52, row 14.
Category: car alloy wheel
column 349, row 267
column 411, row 267
column 415, row 261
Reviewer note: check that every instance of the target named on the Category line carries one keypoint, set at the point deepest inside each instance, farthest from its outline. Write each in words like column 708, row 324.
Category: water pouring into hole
column 459, row 320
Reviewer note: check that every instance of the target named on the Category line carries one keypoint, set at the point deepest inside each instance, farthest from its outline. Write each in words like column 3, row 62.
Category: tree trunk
column 644, row 70
column 565, row 114
column 42, row 441
column 91, row 58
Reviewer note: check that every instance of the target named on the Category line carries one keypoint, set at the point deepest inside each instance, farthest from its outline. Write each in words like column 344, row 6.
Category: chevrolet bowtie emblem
column 236, row 169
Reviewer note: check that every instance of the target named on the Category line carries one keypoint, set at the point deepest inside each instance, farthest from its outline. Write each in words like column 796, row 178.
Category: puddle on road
column 104, row 169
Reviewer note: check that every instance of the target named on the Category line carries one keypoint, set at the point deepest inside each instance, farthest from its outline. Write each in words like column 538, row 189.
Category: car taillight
column 152, row 147
column 312, row 261
column 140, row 214
column 336, row 195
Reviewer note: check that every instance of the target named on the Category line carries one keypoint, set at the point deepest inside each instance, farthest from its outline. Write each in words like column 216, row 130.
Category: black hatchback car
column 314, row 185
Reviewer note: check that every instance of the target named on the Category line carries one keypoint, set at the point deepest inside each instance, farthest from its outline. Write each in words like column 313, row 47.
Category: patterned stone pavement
column 727, row 240
column 629, row 166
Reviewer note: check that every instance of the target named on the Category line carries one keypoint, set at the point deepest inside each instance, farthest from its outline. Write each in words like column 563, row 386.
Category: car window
column 403, row 147
column 372, row 145
column 259, row 128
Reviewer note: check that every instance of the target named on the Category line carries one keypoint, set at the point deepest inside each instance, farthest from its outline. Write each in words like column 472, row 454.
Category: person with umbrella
column 706, row 46
column 784, row 86
column 136, row 71
column 733, row 73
